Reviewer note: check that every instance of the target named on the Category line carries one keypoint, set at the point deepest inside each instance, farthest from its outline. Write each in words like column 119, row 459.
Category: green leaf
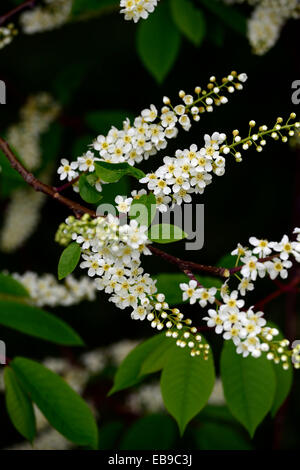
column 186, row 384
column 19, row 406
column 66, row 411
column 68, row 260
column 166, row 282
column 220, row 436
column 165, row 233
column 249, row 386
column 229, row 15
column 36, row 322
column 87, row 192
column 9, row 286
column 129, row 372
column 157, row 358
column 113, row 172
column 102, row 121
column 158, row 42
column 189, row 20
column 154, row 432
column 284, row 378
column 143, row 209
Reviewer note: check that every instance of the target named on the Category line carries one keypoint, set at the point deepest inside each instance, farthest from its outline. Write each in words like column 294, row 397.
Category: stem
column 189, row 265
column 18, row 9
column 37, row 185
column 285, row 288
column 62, row 188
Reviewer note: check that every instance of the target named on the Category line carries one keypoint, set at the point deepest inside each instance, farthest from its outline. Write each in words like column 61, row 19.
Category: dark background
column 256, row 197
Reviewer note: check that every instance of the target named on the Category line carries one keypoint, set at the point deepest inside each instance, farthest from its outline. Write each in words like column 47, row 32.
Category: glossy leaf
column 189, row 20
column 68, row 260
column 113, row 172
column 249, row 386
column 36, row 322
column 158, row 42
column 19, row 405
column 186, row 384
column 87, row 192
column 66, row 411
column 9, row 286
column 165, row 233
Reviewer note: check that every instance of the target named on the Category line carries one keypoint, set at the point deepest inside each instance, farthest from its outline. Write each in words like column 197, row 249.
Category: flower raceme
column 151, row 131
column 112, row 250
column 248, row 329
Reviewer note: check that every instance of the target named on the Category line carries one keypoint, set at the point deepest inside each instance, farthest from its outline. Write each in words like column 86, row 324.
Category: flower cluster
column 267, row 21
column 111, row 254
column 246, row 328
column 189, row 172
column 50, row 15
column 7, row 34
column 136, row 9
column 46, row 291
column 150, row 131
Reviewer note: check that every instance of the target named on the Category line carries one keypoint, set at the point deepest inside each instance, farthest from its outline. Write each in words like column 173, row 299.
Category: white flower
column 278, row 267
column 123, row 203
column 94, row 263
column 207, row 295
column 262, row 247
column 214, row 320
column 66, row 170
column 191, row 291
column 252, row 267
column 232, row 303
column 87, row 162
column 235, row 334
column 287, row 248
column 245, row 285
column 168, row 119
column 241, row 251
column 149, row 115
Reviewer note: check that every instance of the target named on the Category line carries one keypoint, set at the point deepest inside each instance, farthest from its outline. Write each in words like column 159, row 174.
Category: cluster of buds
column 7, row 34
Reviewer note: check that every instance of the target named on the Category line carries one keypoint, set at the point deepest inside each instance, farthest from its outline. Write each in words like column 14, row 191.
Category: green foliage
column 68, row 260
column 158, row 42
column 220, row 436
column 228, row 261
column 189, row 20
column 229, row 15
column 9, row 286
column 167, row 281
column 109, row 434
column 165, row 233
column 113, row 172
column 88, row 192
column 249, row 386
column 102, row 121
column 36, row 322
column 130, row 371
column 64, row 409
column 284, row 381
column 147, row 206
column 186, row 384
column 154, row 432
column 19, row 405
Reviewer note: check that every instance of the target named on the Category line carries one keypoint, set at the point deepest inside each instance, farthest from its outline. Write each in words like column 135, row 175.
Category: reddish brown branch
column 37, row 185
column 28, row 4
column 189, row 265
column 283, row 289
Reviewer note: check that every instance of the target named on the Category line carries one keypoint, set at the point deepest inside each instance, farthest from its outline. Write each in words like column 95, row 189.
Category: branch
column 283, row 289
column 190, row 265
column 18, row 9
column 37, row 185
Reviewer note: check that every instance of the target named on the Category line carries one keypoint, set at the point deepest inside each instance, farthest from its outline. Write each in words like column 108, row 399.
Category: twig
column 28, row 4
column 37, row 185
